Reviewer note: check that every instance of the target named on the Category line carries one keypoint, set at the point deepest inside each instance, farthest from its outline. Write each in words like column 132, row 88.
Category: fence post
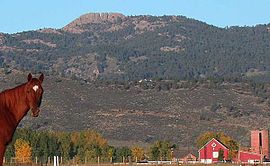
column 98, row 160
column 54, row 160
column 49, row 160
column 36, row 160
column 129, row 160
column 123, row 159
column 111, row 160
column 4, row 160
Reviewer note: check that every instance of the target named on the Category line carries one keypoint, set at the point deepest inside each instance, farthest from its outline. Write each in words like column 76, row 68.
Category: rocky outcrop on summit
column 49, row 31
column 75, row 26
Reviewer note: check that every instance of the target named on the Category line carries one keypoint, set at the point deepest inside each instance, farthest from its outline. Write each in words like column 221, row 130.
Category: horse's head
column 34, row 93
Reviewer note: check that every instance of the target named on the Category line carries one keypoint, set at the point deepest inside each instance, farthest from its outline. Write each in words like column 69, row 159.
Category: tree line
column 84, row 146
column 90, row 147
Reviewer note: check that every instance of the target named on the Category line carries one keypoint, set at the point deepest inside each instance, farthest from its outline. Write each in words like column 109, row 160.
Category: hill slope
column 143, row 116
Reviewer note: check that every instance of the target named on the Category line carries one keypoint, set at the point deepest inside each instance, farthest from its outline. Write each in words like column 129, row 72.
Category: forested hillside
column 112, row 46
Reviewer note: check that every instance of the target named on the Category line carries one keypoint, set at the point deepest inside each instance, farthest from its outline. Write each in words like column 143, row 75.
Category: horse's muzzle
column 35, row 112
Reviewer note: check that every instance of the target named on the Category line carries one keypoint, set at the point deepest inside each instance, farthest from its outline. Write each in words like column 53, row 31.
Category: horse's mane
column 11, row 95
column 13, row 89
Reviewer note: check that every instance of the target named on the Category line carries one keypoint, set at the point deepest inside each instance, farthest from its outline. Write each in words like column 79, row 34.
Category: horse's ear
column 41, row 77
column 29, row 77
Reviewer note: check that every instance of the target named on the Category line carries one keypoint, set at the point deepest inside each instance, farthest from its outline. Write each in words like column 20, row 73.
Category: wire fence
column 51, row 161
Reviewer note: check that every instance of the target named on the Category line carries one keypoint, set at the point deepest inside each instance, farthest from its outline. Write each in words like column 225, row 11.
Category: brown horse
column 14, row 105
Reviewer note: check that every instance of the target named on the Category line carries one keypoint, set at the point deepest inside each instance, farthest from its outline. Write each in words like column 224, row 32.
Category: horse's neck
column 15, row 101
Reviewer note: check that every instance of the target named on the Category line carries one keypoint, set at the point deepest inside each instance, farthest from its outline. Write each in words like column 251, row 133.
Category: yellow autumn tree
column 137, row 153
column 23, row 151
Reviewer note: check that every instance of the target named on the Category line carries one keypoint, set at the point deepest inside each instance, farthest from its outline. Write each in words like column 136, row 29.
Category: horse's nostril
column 35, row 112
column 35, row 115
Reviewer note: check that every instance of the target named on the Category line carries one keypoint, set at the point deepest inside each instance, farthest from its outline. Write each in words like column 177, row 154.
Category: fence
column 74, row 161
column 56, row 161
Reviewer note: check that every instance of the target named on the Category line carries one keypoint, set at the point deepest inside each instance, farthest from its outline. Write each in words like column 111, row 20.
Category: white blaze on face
column 35, row 88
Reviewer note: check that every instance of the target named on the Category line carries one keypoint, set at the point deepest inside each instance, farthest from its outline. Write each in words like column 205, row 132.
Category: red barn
column 249, row 157
column 209, row 153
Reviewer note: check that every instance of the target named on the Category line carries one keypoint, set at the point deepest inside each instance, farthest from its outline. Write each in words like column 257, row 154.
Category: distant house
column 189, row 158
column 188, row 155
column 210, row 152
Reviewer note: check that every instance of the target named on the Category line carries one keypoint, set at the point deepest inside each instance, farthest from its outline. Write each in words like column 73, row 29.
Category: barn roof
column 241, row 151
column 211, row 141
column 189, row 154
column 180, row 153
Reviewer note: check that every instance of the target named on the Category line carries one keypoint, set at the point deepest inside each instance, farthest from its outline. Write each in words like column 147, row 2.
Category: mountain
column 111, row 46
column 138, row 79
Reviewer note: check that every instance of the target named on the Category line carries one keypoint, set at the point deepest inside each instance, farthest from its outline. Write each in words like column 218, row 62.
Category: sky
column 24, row 15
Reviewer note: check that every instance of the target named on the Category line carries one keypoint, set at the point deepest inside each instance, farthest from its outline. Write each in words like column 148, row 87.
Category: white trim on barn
column 206, row 161
column 210, row 141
